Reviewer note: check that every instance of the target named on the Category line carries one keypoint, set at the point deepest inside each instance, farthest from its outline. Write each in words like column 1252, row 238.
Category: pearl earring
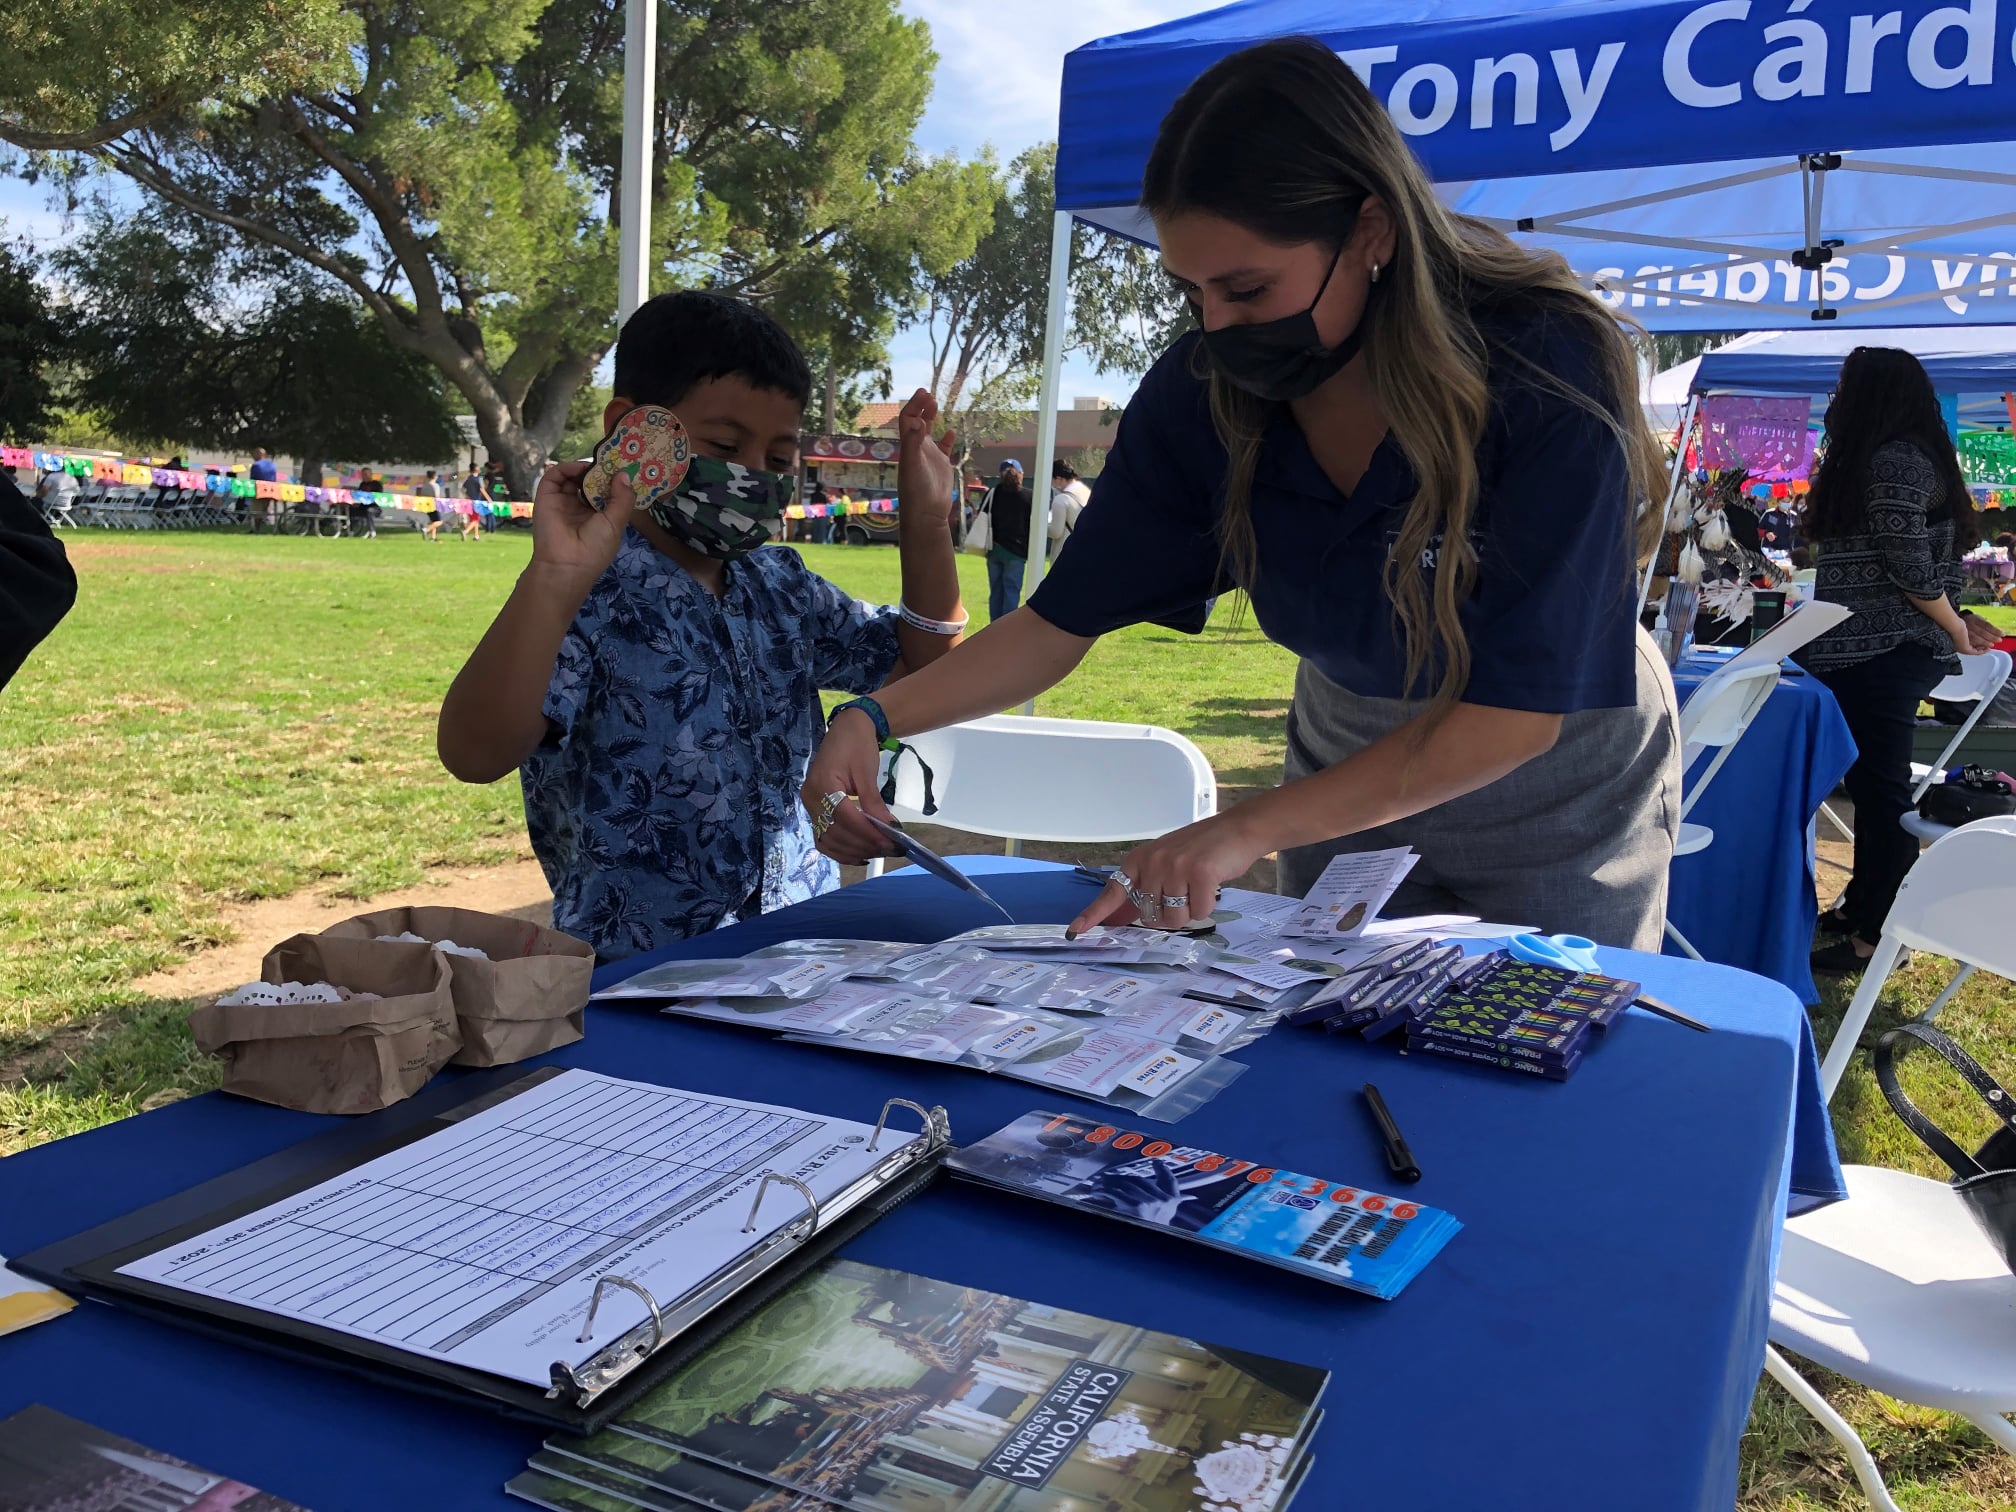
column 1375, row 272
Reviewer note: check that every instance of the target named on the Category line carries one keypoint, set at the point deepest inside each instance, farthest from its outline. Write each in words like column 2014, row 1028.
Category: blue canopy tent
column 1981, row 360
column 1704, row 164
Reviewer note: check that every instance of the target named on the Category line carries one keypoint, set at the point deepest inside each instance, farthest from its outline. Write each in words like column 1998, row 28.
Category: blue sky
column 999, row 67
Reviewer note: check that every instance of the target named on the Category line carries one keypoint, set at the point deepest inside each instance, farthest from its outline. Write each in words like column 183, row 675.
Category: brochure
column 1357, row 1238
column 619, row 1462
column 1350, row 893
column 559, row 1493
column 24, row 1303
column 883, row 1392
column 53, row 1463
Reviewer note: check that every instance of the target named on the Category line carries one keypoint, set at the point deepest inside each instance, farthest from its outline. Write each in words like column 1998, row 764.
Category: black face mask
column 1285, row 359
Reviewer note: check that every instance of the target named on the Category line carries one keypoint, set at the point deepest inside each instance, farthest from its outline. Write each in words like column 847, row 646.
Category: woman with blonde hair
column 1415, row 446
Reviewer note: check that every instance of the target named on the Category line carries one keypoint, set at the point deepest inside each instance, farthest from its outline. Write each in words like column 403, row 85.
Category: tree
column 182, row 339
column 451, row 168
column 31, row 338
column 82, row 75
column 1671, row 348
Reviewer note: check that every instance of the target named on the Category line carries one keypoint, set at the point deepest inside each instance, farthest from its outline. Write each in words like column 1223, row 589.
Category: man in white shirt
column 1068, row 495
column 57, row 495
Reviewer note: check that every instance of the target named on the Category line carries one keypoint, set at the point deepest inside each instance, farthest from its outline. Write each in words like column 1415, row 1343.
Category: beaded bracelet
column 931, row 626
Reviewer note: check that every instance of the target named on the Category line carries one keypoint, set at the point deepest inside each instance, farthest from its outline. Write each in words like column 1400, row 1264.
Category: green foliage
column 452, row 166
column 31, row 339
column 1124, row 310
column 84, row 72
column 180, row 341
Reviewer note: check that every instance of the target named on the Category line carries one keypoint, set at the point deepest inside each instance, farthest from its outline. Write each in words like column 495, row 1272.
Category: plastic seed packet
column 748, row 976
column 865, row 958
column 838, row 1011
column 989, row 979
column 1124, row 946
column 1196, row 1027
column 960, row 1034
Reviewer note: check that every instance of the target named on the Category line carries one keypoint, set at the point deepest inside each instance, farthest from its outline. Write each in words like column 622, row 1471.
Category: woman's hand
column 569, row 535
column 847, row 765
column 1982, row 635
column 1189, row 864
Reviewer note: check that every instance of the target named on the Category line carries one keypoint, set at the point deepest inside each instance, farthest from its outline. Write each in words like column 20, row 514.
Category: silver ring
column 1182, row 901
column 1126, row 882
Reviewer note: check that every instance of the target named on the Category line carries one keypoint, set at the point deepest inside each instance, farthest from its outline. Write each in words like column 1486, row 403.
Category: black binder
column 579, row 1400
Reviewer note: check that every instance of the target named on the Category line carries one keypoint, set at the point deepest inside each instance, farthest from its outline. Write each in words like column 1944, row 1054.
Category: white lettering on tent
column 1400, row 103
column 1833, row 283
column 1362, row 60
column 1952, row 276
column 1601, row 278
column 1892, row 281
column 1790, row 272
column 1808, row 50
column 1748, row 282
column 1864, row 32
column 1989, row 273
column 1638, row 299
column 1525, row 76
column 1700, row 281
column 1584, row 97
column 1680, row 80
column 1977, row 64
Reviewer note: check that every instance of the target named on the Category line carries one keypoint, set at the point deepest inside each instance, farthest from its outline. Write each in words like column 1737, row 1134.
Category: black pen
column 1398, row 1156
column 1667, row 1011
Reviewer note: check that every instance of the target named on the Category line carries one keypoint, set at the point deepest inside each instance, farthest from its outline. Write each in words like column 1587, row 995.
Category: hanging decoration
column 1770, row 439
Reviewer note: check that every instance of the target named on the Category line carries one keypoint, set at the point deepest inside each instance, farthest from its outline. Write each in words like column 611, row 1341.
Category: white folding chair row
column 1979, row 679
column 1715, row 716
column 1896, row 1287
column 1074, row 780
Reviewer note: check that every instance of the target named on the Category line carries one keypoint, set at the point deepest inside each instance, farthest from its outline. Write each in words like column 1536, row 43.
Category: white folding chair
column 1980, row 678
column 1074, row 780
column 1896, row 1287
column 1714, row 718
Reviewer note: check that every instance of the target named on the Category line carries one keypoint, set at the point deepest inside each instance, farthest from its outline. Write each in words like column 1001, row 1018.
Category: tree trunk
column 826, row 409
column 311, row 472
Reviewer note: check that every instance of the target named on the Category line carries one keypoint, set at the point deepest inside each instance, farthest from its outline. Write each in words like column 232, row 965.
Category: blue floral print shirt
column 666, row 804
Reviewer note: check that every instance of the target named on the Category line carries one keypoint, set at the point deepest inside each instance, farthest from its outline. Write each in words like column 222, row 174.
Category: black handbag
column 1985, row 1182
column 1976, row 794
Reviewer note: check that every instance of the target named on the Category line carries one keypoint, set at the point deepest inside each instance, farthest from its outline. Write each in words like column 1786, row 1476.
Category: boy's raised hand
column 570, row 535
column 924, row 476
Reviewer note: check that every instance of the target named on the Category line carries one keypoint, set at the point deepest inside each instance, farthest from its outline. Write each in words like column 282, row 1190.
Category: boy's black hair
column 675, row 342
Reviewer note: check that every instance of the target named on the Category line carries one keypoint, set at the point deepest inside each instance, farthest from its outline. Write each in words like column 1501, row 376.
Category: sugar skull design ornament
column 723, row 509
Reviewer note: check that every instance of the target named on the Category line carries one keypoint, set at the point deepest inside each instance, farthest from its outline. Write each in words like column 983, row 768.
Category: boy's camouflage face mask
column 723, row 508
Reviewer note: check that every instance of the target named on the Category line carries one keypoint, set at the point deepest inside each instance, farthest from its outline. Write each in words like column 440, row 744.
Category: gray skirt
column 1577, row 841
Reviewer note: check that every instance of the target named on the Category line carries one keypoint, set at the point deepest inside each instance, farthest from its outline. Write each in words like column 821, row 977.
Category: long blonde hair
column 1284, row 140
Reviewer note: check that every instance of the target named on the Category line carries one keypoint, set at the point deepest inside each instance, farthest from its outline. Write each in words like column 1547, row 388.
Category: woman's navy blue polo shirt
column 1550, row 620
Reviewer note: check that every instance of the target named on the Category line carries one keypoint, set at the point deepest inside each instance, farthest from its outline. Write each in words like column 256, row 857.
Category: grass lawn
column 225, row 718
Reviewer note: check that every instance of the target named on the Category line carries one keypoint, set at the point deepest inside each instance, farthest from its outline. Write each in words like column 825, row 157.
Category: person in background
column 1892, row 517
column 1804, row 574
column 1007, row 510
column 1068, row 495
column 57, row 495
column 655, row 675
column 430, row 490
column 37, row 585
column 822, row 527
column 263, row 469
column 474, row 491
column 363, row 516
column 498, row 488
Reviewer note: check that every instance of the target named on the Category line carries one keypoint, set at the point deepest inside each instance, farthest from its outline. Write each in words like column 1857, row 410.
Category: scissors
column 1563, row 951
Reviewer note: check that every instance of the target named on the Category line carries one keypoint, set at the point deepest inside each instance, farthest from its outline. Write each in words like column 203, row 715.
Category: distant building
column 1090, row 424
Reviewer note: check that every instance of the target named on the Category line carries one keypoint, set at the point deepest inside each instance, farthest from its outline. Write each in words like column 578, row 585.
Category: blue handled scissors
column 1565, row 952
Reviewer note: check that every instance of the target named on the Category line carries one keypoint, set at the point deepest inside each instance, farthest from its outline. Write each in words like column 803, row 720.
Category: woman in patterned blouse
column 1891, row 516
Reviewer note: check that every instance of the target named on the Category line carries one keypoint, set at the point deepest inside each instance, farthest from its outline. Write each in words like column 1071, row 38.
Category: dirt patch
column 517, row 888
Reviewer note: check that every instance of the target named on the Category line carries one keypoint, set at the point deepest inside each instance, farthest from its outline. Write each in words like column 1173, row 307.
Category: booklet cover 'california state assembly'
column 889, row 1392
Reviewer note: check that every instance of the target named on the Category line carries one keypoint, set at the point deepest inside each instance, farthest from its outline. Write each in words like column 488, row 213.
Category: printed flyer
column 887, row 1392
column 1362, row 1239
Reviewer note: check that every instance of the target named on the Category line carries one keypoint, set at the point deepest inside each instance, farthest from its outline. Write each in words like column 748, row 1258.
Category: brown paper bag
column 528, row 998
column 351, row 1057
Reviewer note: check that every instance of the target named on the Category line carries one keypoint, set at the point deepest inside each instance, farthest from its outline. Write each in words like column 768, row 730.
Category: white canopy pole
column 1672, row 493
column 1046, row 414
column 640, row 60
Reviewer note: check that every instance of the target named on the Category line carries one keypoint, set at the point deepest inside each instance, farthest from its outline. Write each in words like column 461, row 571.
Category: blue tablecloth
column 1590, row 1340
column 1748, row 899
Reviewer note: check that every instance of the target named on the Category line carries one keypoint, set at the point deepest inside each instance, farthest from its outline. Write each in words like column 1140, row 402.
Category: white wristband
column 931, row 626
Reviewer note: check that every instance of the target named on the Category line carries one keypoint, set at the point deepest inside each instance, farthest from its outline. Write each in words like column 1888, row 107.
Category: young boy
column 655, row 678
